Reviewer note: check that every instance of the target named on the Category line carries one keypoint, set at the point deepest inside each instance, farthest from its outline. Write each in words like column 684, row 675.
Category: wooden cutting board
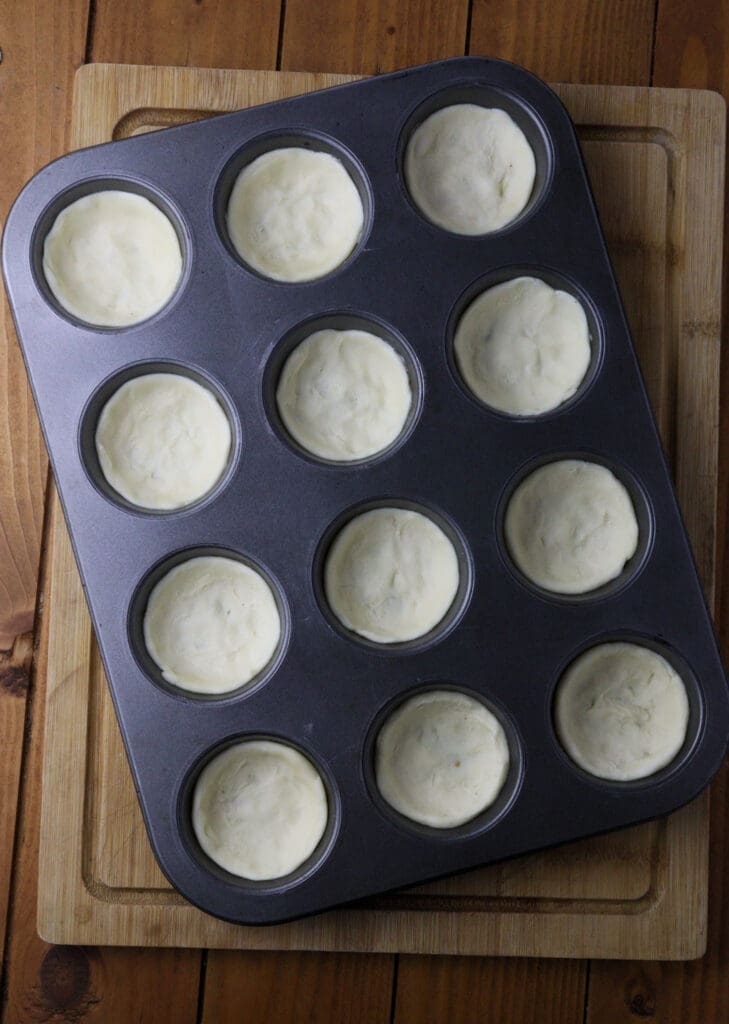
column 656, row 160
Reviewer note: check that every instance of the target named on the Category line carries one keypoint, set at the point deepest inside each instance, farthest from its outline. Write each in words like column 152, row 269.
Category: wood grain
column 569, row 40
column 462, row 991
column 234, row 34
column 579, row 41
column 370, row 36
column 643, row 890
column 690, row 51
column 40, row 54
column 217, row 33
column 14, row 679
column 41, row 51
column 692, row 54
column 66, row 983
column 289, row 988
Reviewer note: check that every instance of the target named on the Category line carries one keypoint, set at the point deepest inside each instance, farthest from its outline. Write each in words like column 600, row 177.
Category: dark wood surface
column 638, row 42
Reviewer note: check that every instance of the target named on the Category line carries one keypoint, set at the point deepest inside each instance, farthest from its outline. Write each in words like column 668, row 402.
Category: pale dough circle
column 211, row 624
column 441, row 758
column 294, row 214
column 391, row 575
column 112, row 258
column 621, row 711
column 344, row 395
column 162, row 440
column 570, row 526
column 523, row 347
column 259, row 809
column 469, row 169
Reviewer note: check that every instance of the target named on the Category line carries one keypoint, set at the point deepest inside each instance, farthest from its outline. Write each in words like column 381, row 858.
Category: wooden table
column 638, row 42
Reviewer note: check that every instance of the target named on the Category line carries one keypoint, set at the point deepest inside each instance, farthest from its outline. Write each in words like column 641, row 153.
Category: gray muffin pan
column 326, row 691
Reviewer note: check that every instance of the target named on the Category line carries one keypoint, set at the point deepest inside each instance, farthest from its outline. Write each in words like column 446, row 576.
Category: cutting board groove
column 655, row 159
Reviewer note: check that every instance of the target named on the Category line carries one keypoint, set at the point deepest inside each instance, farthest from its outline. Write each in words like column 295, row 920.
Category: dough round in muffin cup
column 391, row 575
column 259, row 809
column 570, row 526
column 344, row 395
column 469, row 169
column 294, row 214
column 211, row 625
column 621, row 711
column 441, row 758
column 163, row 441
column 112, row 258
column 523, row 347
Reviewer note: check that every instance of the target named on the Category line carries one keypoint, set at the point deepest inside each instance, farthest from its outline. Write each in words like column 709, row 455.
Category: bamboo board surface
column 656, row 163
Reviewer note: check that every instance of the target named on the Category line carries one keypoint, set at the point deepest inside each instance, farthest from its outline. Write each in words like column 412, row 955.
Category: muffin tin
column 326, row 691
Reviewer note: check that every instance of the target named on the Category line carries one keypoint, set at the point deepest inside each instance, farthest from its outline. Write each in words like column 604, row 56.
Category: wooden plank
column 364, row 37
column 214, row 34
column 690, row 51
column 40, row 52
column 462, row 991
column 281, row 988
column 14, row 675
column 230, row 985
column 221, row 33
column 569, row 40
column 66, row 983
column 369, row 36
column 641, row 891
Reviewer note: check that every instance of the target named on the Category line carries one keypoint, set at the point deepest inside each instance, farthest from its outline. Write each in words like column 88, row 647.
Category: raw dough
column 344, row 395
column 571, row 526
column 469, row 169
column 162, row 440
column 522, row 347
column 294, row 214
column 112, row 258
column 441, row 758
column 391, row 575
column 621, row 711
column 211, row 624
column 259, row 809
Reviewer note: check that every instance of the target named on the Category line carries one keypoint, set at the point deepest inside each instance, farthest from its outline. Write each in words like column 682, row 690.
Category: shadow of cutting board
column 656, row 161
